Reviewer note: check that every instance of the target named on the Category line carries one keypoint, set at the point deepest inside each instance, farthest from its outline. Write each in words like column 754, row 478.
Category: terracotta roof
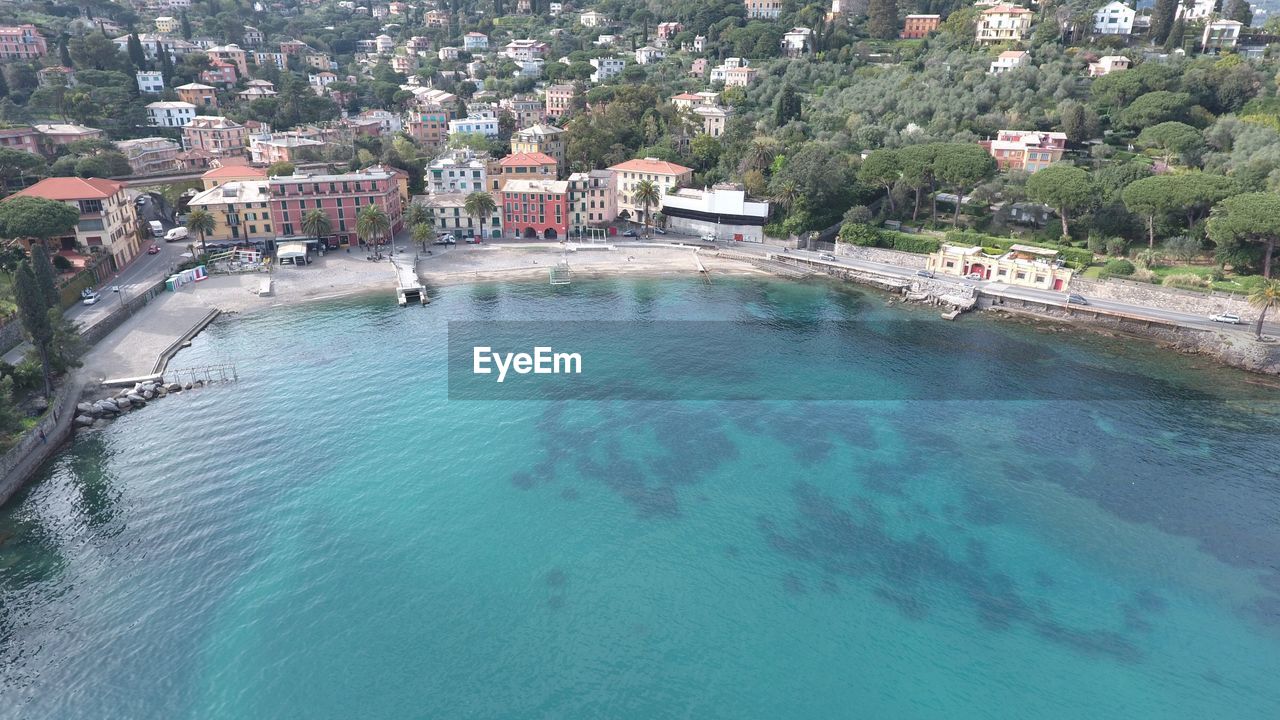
column 71, row 188
column 235, row 171
column 650, row 165
column 686, row 96
column 1006, row 10
column 527, row 159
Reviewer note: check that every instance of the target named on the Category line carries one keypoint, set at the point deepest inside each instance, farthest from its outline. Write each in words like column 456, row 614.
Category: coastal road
column 143, row 271
column 1141, row 312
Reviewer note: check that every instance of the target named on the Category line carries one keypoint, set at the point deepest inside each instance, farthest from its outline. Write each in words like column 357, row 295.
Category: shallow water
column 333, row 537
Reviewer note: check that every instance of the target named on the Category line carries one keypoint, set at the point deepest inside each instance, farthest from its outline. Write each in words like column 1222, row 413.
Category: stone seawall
column 40, row 442
column 1186, row 301
column 1236, row 349
column 882, row 255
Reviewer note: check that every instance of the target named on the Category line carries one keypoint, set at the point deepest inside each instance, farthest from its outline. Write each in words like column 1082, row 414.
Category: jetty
column 408, row 286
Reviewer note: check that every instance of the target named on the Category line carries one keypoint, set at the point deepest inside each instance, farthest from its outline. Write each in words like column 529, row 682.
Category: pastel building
column 150, row 156
column 170, row 114
column 203, row 97
column 666, row 176
column 545, row 139
column 559, row 99
column 1009, row 60
column 593, row 199
column 241, row 210
column 1028, row 150
column 916, row 27
column 215, row 135
column 536, row 209
column 108, row 223
column 763, row 9
column 1022, row 265
column 1003, row 23
column 21, row 42
column 451, row 216
column 1108, row 64
column 341, row 197
column 527, row 166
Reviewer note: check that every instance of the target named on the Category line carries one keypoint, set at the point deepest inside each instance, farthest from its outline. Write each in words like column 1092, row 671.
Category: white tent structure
column 292, row 253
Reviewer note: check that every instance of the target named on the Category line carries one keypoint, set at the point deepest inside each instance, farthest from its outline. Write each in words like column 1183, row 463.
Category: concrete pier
column 408, row 286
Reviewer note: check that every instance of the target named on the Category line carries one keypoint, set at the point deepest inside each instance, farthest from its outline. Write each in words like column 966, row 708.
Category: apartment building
column 21, row 42
column 108, row 223
column 664, row 175
column 215, row 135
column 150, row 156
column 340, row 196
column 535, row 209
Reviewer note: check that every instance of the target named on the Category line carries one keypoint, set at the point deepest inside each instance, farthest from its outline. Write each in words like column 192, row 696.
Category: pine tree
column 35, row 316
column 64, row 53
column 1162, row 17
column 882, row 19
column 787, row 106
column 1239, row 11
column 42, row 266
column 137, row 55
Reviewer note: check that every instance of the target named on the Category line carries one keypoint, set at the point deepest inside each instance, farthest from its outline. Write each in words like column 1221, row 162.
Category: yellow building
column 240, row 209
column 1022, row 265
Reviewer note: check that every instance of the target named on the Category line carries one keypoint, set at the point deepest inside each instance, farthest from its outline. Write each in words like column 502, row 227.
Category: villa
column 1022, row 265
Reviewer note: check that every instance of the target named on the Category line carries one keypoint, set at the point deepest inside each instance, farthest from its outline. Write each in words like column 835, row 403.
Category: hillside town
column 1140, row 144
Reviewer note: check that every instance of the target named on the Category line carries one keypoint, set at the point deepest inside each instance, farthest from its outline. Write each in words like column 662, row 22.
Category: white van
column 156, row 228
column 178, row 233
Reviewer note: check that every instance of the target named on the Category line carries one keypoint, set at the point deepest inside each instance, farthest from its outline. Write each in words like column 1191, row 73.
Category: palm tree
column 785, row 196
column 646, row 194
column 202, row 222
column 422, row 233
column 316, row 224
column 761, row 152
column 1264, row 297
column 480, row 204
column 372, row 223
column 416, row 214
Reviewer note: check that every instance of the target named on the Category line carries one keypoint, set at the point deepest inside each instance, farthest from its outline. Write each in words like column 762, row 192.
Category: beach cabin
column 292, row 253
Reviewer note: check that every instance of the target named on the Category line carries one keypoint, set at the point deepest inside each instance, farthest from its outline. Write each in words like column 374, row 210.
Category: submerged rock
column 83, row 420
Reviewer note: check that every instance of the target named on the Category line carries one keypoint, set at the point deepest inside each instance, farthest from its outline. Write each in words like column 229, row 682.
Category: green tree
column 203, row 223
column 916, row 162
column 282, row 167
column 1173, row 139
column 372, row 223
column 480, row 205
column 137, row 55
column 961, row 167
column 417, row 214
column 1065, row 188
column 787, row 107
column 1264, row 297
column 1162, row 16
column 34, row 312
column 37, row 218
column 646, row 193
column 1239, row 11
column 186, row 25
column 1155, row 107
column 316, row 223
column 1150, row 198
column 16, row 165
column 42, row 267
column 881, row 169
column 882, row 19
column 1248, row 218
column 421, row 234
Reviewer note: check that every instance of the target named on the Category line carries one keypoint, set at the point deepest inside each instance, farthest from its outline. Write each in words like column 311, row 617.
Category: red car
column 153, row 250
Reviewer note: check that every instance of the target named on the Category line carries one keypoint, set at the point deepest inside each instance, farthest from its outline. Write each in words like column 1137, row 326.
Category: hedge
column 907, row 242
column 867, row 236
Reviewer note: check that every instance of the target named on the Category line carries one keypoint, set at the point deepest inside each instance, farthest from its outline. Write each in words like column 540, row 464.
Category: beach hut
column 292, row 253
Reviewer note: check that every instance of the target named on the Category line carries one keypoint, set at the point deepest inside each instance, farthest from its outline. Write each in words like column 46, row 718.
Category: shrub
column 1118, row 266
column 1145, row 276
column 1117, row 246
column 914, row 243
column 27, row 375
column 860, row 234
column 858, row 214
column 1182, row 247
column 1186, row 280
column 61, row 264
column 1096, row 244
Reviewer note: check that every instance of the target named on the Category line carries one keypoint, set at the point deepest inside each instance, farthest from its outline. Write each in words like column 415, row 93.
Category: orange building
column 915, row 27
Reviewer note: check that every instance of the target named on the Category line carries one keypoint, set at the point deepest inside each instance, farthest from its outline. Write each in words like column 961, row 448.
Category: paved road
column 1045, row 296
column 139, row 274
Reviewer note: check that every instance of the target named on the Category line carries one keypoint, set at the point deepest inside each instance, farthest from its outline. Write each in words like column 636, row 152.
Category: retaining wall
column 32, row 450
column 1187, row 301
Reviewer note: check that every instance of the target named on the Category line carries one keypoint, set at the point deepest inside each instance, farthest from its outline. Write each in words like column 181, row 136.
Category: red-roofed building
column 536, row 209
column 231, row 172
column 527, row 166
column 664, row 175
column 107, row 224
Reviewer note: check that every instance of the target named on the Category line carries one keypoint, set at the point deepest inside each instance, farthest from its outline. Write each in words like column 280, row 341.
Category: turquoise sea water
column 332, row 537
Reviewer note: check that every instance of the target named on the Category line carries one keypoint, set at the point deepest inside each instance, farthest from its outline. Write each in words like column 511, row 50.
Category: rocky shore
column 126, row 400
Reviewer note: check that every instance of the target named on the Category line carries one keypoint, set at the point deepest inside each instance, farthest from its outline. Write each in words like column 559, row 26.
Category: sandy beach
column 131, row 350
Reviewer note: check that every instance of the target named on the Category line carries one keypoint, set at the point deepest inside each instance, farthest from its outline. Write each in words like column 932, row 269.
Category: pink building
column 559, row 100
column 20, row 138
column 21, row 42
column 222, row 73
column 536, row 208
column 1029, row 150
column 341, row 197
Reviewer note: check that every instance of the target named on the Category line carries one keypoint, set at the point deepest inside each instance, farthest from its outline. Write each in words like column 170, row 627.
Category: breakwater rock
column 126, row 400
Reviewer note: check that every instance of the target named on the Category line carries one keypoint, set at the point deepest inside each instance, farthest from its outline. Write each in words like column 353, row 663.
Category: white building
column 526, row 50
column 1199, row 10
column 1220, row 35
column 606, row 68
column 649, row 54
column 797, row 40
column 529, row 68
column 457, row 171
column 150, row 82
column 448, row 53
column 487, row 126
column 591, row 18
column 1108, row 64
column 474, row 41
column 384, row 44
column 1114, row 18
column 605, row 41
column 170, row 114
column 719, row 72
column 722, row 211
column 1009, row 60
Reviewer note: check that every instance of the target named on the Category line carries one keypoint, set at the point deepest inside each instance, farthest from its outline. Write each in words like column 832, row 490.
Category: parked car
column 974, row 276
column 1228, row 318
column 924, row 273
column 1075, row 299
column 628, row 233
column 473, row 241
column 708, row 238
column 153, row 250
column 445, row 240
column 827, row 256
column 89, row 297
column 660, row 231
column 156, row 228
column 176, row 234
